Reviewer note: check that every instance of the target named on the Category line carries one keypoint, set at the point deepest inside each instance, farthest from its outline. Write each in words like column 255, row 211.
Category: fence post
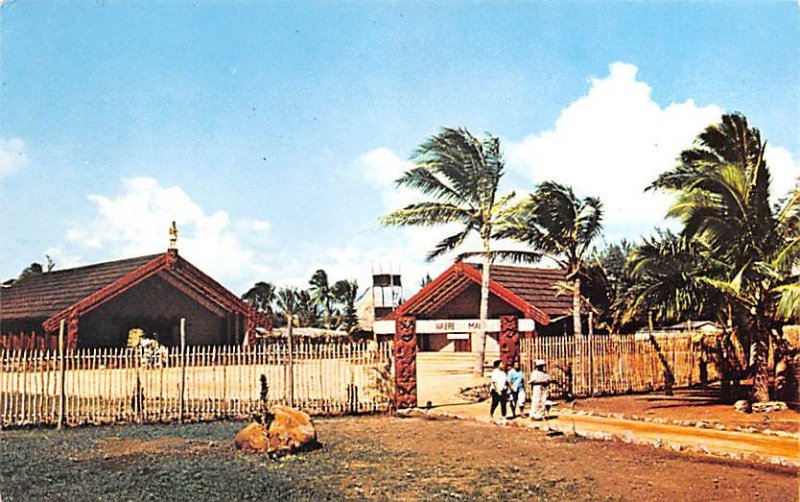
column 2, row 381
column 62, row 370
column 290, row 376
column 183, row 370
column 591, row 352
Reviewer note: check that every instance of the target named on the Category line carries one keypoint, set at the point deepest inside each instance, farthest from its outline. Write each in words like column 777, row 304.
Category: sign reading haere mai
column 452, row 326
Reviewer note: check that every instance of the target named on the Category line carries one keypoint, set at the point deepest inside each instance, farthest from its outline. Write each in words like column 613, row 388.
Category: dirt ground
column 692, row 405
column 375, row 457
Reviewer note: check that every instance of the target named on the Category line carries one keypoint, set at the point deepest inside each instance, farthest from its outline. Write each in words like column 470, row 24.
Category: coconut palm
column 556, row 224
column 666, row 279
column 286, row 301
column 723, row 189
column 309, row 313
column 460, row 174
column 324, row 295
column 346, row 293
column 789, row 257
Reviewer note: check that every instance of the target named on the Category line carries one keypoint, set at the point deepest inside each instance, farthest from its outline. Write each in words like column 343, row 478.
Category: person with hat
column 539, row 382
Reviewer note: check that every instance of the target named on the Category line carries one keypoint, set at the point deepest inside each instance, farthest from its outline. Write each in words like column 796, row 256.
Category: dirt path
column 761, row 447
column 716, row 442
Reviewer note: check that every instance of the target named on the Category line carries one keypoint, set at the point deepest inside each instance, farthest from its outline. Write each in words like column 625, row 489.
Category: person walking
column 516, row 385
column 498, row 389
column 539, row 382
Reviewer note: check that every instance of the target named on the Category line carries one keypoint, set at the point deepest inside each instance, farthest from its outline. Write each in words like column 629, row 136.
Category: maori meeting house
column 447, row 308
column 102, row 304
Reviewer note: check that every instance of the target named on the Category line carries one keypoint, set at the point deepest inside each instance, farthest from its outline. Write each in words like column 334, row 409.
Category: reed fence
column 617, row 364
column 103, row 386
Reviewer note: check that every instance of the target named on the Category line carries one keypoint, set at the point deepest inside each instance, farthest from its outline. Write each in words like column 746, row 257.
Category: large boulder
column 286, row 431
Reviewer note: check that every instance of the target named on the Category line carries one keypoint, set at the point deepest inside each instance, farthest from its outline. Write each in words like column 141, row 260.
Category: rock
column 768, row 407
column 252, row 438
column 288, row 431
column 742, row 406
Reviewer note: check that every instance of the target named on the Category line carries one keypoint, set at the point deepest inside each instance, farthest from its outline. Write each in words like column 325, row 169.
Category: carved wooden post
column 405, row 363
column 509, row 340
column 72, row 331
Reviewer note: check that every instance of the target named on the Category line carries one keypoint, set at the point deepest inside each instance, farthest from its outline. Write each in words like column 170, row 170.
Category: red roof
column 42, row 295
column 57, row 295
column 537, row 286
column 532, row 291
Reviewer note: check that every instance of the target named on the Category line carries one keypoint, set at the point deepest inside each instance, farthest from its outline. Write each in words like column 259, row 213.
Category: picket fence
column 103, row 386
column 616, row 364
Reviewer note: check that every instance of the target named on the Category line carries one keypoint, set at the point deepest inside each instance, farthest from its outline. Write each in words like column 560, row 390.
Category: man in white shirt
column 498, row 389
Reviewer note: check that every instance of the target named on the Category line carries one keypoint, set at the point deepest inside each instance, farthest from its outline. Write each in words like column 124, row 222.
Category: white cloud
column 612, row 143
column 12, row 156
column 135, row 222
column 784, row 168
column 381, row 168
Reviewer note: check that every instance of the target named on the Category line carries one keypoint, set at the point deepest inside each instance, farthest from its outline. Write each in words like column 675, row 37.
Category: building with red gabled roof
column 102, row 303
column 448, row 307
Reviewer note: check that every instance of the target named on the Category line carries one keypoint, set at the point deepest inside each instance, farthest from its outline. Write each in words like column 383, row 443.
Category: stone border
column 700, row 424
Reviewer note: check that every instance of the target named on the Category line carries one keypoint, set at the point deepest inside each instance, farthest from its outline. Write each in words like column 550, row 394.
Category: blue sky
column 272, row 132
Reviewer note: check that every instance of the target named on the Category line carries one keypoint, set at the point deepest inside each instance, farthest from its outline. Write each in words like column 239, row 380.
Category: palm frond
column 428, row 214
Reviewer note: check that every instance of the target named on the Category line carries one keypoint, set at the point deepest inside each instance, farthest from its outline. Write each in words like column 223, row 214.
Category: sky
column 272, row 132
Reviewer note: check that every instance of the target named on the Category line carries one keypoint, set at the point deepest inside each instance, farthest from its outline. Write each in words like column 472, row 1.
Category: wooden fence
column 103, row 386
column 616, row 364
column 28, row 341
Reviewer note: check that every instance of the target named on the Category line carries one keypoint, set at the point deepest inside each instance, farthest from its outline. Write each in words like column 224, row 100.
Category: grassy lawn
column 364, row 458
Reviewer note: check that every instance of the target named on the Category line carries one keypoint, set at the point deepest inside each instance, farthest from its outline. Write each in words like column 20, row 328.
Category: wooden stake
column 290, row 380
column 62, row 389
column 183, row 370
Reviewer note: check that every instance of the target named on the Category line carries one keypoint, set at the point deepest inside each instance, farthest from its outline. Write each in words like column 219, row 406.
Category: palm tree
column 723, row 188
column 788, row 258
column 323, row 294
column 346, row 293
column 666, row 282
column 558, row 225
column 287, row 303
column 261, row 296
column 308, row 310
column 460, row 174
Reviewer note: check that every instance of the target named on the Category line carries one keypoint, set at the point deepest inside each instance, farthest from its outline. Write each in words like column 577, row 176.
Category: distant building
column 448, row 308
column 702, row 327
column 103, row 304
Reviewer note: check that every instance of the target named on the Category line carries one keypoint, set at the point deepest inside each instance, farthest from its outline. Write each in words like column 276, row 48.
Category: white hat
column 540, row 362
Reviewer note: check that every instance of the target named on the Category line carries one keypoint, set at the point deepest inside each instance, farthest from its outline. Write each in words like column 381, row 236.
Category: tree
column 723, row 189
column 460, row 175
column 606, row 280
column 308, row 311
column 34, row 268
column 286, row 301
column 323, row 294
column 261, row 297
column 666, row 280
column 558, row 225
column 788, row 259
column 425, row 280
column 346, row 293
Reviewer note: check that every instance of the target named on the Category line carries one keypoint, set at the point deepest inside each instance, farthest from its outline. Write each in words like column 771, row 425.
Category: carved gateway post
column 509, row 340
column 405, row 363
